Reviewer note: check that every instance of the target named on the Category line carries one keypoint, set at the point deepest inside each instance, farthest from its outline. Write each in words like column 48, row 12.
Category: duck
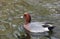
column 35, row 26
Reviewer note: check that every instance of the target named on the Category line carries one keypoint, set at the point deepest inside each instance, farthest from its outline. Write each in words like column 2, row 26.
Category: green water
column 11, row 10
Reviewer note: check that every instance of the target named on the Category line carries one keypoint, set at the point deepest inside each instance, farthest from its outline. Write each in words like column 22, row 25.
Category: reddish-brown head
column 27, row 18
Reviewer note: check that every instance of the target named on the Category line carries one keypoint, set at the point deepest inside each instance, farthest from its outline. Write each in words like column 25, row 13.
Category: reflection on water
column 49, row 36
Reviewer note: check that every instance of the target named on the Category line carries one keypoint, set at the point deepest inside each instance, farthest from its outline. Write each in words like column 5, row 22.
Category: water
column 11, row 10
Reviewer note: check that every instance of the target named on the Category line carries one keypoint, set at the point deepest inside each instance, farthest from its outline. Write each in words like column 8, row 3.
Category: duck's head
column 27, row 17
